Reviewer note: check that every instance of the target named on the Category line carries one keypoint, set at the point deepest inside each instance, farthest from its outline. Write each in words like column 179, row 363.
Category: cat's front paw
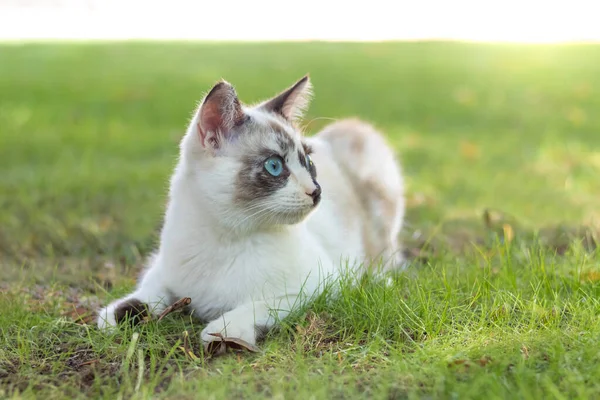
column 130, row 310
column 244, row 330
column 106, row 318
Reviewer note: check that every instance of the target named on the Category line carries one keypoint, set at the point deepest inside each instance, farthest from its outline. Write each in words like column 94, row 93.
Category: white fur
column 243, row 269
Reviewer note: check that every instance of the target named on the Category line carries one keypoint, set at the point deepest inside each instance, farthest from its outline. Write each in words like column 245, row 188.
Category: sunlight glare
column 535, row 21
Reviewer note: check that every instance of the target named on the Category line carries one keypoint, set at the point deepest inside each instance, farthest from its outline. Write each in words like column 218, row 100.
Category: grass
column 500, row 148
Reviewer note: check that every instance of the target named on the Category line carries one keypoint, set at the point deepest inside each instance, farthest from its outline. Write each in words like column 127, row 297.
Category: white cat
column 248, row 230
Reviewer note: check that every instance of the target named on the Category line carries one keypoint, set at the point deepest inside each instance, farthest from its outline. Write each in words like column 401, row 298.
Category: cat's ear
column 292, row 102
column 219, row 113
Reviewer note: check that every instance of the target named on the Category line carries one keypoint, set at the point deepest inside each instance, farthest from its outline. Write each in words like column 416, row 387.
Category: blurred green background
column 89, row 132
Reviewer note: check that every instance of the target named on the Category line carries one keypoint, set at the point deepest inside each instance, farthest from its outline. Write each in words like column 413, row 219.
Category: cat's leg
column 250, row 319
column 150, row 298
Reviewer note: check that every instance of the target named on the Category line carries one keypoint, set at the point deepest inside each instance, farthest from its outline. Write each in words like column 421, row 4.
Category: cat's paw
column 106, row 318
column 132, row 311
column 244, row 330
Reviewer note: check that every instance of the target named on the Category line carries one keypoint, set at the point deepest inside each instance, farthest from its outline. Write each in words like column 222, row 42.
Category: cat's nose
column 316, row 194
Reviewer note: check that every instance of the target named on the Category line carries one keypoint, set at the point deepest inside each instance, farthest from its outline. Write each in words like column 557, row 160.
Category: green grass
column 498, row 304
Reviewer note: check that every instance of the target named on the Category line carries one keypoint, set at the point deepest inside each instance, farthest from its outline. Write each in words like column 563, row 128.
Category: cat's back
column 363, row 205
column 338, row 221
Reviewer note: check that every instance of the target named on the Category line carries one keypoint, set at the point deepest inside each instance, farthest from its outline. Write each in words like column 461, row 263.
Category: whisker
column 307, row 124
column 265, row 207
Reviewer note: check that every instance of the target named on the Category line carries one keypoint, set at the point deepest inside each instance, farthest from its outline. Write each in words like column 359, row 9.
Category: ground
column 500, row 148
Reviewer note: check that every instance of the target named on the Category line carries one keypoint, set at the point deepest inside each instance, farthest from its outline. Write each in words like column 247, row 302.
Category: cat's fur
column 247, row 246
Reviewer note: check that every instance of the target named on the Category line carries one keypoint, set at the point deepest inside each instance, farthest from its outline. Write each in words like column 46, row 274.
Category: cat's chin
column 294, row 217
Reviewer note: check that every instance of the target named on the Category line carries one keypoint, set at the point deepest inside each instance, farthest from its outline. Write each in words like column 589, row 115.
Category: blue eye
column 274, row 165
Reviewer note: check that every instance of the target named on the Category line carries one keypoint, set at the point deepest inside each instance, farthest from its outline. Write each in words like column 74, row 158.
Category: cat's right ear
column 219, row 113
column 292, row 102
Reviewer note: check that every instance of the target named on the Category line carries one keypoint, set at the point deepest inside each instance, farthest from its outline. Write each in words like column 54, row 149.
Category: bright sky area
column 482, row 20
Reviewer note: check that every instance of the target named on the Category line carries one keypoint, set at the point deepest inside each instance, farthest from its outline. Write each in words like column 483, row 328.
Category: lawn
column 501, row 150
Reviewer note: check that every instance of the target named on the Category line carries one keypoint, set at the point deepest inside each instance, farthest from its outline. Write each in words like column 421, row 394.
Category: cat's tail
column 370, row 164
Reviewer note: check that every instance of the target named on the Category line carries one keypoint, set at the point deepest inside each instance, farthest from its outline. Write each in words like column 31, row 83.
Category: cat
column 259, row 216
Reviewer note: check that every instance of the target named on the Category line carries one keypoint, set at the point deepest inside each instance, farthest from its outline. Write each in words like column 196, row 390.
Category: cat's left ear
column 219, row 113
column 292, row 102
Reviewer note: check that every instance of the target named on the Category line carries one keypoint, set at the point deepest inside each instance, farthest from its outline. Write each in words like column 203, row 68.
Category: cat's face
column 254, row 165
column 276, row 180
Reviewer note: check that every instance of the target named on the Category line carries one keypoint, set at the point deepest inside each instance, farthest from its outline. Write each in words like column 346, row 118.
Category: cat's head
column 251, row 162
